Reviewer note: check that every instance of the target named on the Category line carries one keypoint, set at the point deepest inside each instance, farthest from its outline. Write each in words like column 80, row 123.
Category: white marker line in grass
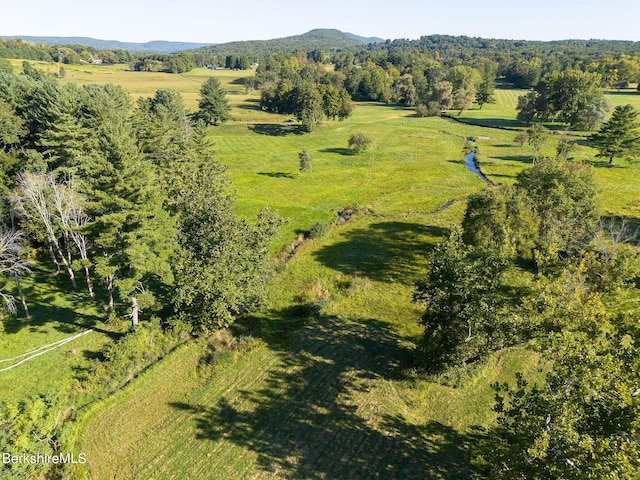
column 35, row 349
column 49, row 347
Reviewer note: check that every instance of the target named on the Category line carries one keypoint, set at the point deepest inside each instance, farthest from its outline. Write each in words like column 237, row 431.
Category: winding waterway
column 469, row 162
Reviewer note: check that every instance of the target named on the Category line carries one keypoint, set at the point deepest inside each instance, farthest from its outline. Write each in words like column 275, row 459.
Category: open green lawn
column 412, row 166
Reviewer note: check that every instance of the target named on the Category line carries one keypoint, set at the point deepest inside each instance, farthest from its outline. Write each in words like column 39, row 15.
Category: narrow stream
column 469, row 162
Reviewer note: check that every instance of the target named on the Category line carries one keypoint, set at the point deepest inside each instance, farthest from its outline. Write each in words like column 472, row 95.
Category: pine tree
column 213, row 106
column 620, row 136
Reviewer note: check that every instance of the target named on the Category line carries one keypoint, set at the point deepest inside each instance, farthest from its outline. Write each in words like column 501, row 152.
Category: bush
column 124, row 359
column 422, row 110
column 359, row 142
column 318, row 230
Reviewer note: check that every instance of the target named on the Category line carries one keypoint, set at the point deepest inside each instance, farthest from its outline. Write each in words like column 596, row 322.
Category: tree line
column 101, row 186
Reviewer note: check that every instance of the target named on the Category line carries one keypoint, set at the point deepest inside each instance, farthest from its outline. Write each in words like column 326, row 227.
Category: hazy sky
column 214, row 21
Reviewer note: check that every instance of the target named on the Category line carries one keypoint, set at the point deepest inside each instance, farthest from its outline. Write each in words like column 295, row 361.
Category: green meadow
column 321, row 385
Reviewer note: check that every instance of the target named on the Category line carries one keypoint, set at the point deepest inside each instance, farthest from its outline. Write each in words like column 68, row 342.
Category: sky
column 214, row 21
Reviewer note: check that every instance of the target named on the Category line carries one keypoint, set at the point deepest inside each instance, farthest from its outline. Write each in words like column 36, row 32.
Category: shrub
column 359, row 142
column 422, row 110
column 318, row 230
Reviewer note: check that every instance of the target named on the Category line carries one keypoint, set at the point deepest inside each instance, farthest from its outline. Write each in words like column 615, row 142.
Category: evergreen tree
column 620, row 135
column 213, row 106
column 306, row 162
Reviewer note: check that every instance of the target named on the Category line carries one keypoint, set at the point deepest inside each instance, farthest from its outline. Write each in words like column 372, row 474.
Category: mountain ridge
column 321, row 38
column 155, row 46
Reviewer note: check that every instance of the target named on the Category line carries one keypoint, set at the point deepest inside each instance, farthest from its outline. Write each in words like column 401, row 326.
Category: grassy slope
column 330, row 397
column 325, row 398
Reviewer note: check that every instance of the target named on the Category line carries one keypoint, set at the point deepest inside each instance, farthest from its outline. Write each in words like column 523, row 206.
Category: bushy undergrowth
column 122, row 360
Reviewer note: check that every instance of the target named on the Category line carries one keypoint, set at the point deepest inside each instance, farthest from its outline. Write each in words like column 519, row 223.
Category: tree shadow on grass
column 249, row 104
column 504, row 123
column 603, row 164
column 347, row 152
column 315, row 415
column 526, row 159
column 278, row 174
column 276, row 130
column 383, row 250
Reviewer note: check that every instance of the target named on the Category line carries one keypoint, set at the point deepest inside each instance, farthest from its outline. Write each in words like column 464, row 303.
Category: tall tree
column 220, row 264
column 564, row 96
column 34, row 200
column 486, row 90
column 213, row 106
column 538, row 136
column 563, row 197
column 620, row 135
column 462, row 305
column 162, row 126
column 308, row 106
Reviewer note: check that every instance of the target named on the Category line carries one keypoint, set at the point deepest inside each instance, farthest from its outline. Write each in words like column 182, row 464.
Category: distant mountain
column 366, row 40
column 157, row 46
column 321, row 38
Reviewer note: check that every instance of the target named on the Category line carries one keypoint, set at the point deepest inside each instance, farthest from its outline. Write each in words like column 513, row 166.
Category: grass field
column 329, row 397
column 313, row 394
column 53, row 318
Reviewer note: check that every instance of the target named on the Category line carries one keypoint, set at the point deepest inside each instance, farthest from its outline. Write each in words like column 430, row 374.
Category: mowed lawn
column 326, row 396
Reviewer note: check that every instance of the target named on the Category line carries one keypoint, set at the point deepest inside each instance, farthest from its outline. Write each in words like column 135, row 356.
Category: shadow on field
column 347, row 152
column 278, row 174
column 526, row 159
column 44, row 296
column 502, row 123
column 382, row 251
column 275, row 129
column 317, row 415
column 604, row 163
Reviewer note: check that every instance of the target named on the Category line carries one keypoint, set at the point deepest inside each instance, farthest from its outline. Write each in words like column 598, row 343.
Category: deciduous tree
column 221, row 262
column 462, row 305
column 359, row 142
